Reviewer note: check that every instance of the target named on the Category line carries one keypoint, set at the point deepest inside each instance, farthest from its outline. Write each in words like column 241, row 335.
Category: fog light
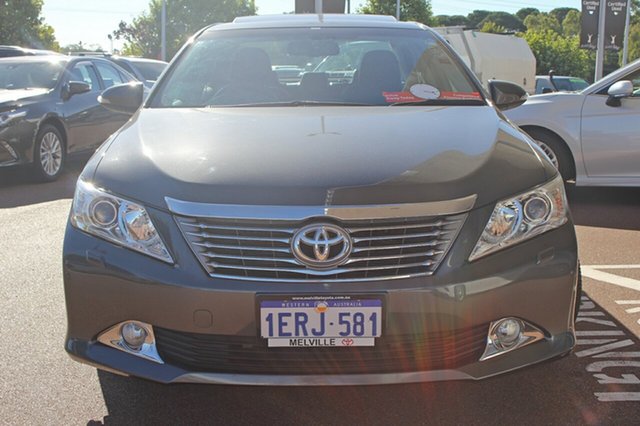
column 133, row 335
column 508, row 332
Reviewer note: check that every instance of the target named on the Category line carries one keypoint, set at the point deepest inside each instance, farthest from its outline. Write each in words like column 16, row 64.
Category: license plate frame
column 369, row 302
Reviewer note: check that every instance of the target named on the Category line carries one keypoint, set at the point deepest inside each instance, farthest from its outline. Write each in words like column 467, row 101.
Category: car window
column 363, row 66
column 86, row 73
column 542, row 84
column 29, row 75
column 110, row 75
column 635, row 79
column 150, row 70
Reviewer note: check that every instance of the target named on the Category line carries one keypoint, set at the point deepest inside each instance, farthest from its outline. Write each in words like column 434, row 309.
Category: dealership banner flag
column 590, row 16
column 616, row 19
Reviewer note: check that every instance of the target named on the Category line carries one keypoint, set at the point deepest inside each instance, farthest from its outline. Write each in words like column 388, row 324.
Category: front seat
column 379, row 72
column 252, row 80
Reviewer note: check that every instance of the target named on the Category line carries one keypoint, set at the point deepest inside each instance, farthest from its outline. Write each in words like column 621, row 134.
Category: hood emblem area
column 321, row 246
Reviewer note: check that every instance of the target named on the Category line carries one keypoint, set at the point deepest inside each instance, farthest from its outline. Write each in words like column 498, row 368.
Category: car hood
column 547, row 107
column 317, row 156
column 18, row 96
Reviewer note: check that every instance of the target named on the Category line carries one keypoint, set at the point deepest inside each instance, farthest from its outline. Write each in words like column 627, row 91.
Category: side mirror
column 74, row 88
column 547, row 90
column 124, row 98
column 506, row 95
column 620, row 90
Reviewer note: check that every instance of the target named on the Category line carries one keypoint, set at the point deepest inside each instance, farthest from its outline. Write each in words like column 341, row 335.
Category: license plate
column 321, row 321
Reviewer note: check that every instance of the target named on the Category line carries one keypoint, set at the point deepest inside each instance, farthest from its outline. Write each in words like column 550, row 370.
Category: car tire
column 578, row 294
column 49, row 154
column 556, row 150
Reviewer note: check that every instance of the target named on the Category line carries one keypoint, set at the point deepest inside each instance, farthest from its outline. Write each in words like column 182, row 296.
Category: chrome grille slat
column 247, row 248
column 261, row 250
column 399, row 237
column 339, row 270
column 231, row 228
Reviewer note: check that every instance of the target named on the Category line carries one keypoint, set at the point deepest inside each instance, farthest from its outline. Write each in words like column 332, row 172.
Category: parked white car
column 592, row 136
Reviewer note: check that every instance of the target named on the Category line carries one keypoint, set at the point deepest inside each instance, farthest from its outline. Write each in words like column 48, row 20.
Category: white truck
column 494, row 56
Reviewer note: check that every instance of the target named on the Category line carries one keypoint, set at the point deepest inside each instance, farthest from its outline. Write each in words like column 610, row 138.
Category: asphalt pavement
column 39, row 384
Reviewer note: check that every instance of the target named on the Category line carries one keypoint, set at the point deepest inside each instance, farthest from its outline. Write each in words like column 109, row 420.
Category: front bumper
column 106, row 284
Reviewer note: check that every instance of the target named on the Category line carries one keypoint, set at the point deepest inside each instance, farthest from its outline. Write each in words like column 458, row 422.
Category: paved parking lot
column 598, row 384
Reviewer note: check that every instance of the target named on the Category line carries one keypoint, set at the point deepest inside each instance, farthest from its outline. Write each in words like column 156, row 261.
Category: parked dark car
column 49, row 109
column 145, row 70
column 11, row 51
column 251, row 227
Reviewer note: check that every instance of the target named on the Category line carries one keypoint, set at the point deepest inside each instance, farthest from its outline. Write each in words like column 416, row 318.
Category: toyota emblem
column 321, row 246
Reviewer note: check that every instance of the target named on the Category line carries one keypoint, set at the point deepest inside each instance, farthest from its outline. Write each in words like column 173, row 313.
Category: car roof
column 315, row 20
column 135, row 59
column 36, row 58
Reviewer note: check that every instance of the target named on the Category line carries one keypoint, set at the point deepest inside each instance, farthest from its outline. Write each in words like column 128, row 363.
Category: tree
column 184, row 18
column 560, row 13
column 21, row 24
column 561, row 54
column 450, row 21
column 542, row 22
column 492, row 27
column 410, row 10
column 505, row 20
column 571, row 25
column 526, row 11
column 476, row 17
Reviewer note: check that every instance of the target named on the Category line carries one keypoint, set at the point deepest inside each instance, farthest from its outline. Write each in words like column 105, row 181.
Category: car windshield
column 316, row 66
column 569, row 84
column 150, row 70
column 29, row 75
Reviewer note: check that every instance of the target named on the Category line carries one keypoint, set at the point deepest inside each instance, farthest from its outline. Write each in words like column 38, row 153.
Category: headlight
column 117, row 220
column 517, row 219
column 8, row 116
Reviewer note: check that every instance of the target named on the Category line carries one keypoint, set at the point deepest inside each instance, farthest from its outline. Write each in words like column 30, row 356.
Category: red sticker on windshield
column 461, row 95
column 393, row 97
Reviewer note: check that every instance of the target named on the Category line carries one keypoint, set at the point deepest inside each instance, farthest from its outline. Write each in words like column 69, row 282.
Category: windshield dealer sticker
column 424, row 91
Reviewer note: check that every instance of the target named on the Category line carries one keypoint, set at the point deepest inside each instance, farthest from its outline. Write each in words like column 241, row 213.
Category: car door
column 111, row 76
column 82, row 112
column 611, row 135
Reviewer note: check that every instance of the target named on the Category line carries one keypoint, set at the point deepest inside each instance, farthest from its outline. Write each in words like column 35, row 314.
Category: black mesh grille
column 250, row 355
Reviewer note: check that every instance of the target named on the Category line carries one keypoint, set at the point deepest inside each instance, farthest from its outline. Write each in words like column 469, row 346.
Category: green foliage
column 526, row 11
column 21, row 24
column 560, row 13
column 542, row 22
column 561, row 54
column 634, row 42
column 184, row 18
column 492, row 27
column 450, row 21
column 410, row 10
column 505, row 20
column 476, row 17
column 571, row 24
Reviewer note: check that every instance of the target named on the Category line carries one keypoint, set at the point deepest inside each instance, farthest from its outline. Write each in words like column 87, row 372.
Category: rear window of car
column 343, row 66
column 150, row 70
column 29, row 75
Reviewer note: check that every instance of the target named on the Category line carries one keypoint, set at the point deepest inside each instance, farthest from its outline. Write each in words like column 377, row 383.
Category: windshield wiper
column 289, row 104
column 439, row 102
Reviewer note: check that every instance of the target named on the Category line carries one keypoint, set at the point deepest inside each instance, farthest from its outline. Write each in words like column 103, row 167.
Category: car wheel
column 556, row 151
column 49, row 155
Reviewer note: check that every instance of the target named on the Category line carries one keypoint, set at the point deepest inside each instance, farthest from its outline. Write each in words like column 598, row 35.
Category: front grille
column 250, row 355
column 261, row 249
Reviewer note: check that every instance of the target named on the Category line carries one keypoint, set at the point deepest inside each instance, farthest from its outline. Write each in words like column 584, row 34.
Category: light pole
column 398, row 10
column 163, row 37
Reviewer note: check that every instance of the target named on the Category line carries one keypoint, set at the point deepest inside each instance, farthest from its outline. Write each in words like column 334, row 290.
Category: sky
column 90, row 21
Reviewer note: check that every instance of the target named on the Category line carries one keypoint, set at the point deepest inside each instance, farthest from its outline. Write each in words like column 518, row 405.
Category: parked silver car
column 592, row 135
column 385, row 226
